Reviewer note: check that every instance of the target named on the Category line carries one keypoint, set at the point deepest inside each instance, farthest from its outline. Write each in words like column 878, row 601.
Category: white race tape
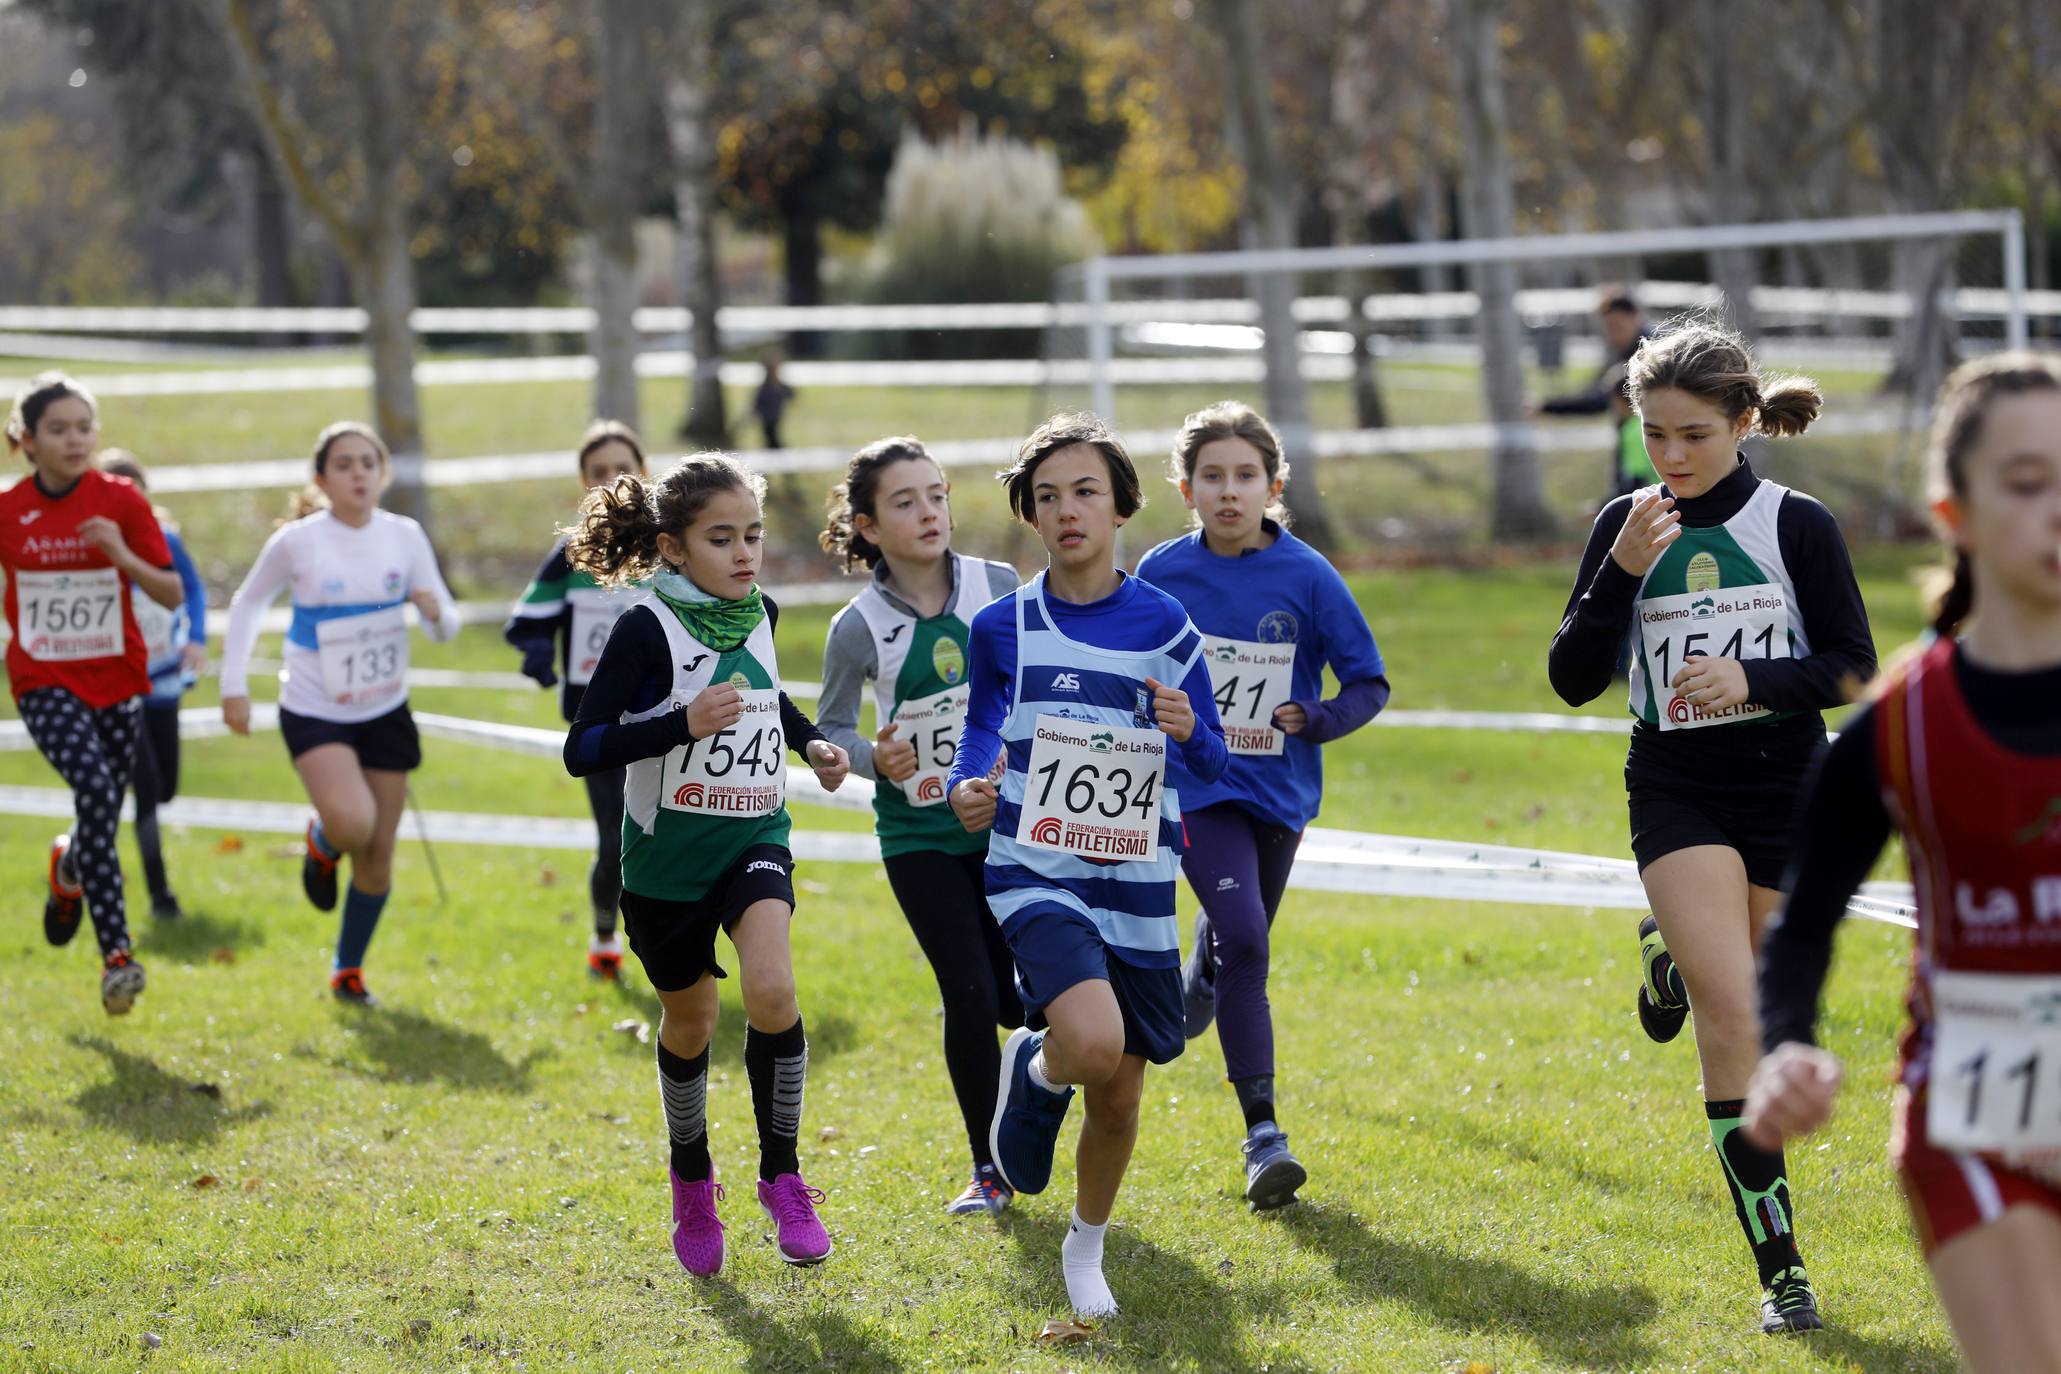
column 1329, row 860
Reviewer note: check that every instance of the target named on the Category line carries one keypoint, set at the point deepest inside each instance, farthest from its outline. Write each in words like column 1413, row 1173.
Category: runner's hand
column 1711, row 683
column 1791, row 1094
column 1290, row 719
column 716, row 707
column 1653, row 524
column 106, row 536
column 973, row 801
column 236, row 714
column 893, row 759
column 830, row 762
column 194, row 658
column 427, row 604
column 1171, row 710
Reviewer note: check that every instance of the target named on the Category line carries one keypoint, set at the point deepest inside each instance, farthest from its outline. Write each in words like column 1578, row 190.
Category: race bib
column 1093, row 790
column 931, row 724
column 364, row 657
column 67, row 616
column 1741, row 623
column 594, row 613
column 1248, row 680
column 154, row 623
column 740, row 771
column 1995, row 1085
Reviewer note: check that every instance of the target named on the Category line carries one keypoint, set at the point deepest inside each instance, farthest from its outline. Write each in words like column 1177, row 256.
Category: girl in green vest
column 687, row 699
column 907, row 634
column 1746, row 624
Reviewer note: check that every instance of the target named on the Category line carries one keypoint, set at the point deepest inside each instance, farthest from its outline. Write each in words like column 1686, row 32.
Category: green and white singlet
column 1722, row 592
column 921, row 684
column 690, row 814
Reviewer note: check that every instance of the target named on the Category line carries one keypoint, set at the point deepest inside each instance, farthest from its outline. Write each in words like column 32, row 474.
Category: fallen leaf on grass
column 151, row 1340
column 224, row 955
column 1227, row 1268
column 213, row 1090
column 1060, row 1331
column 417, row 1329
column 547, row 876
column 1477, row 1367
column 251, row 1185
column 640, row 1031
column 829, row 1133
column 206, row 1181
column 229, row 844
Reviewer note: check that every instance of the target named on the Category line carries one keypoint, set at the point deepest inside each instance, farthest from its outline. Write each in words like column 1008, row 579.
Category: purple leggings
column 1238, row 865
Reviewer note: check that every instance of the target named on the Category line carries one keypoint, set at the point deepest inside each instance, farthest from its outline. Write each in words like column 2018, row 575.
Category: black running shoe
column 1198, row 981
column 165, row 907
column 318, row 874
column 1788, row 1307
column 61, row 907
column 1663, row 1001
column 348, row 985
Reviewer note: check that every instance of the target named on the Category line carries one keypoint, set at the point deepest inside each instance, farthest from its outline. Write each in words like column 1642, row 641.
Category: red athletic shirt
column 1982, row 828
column 80, row 633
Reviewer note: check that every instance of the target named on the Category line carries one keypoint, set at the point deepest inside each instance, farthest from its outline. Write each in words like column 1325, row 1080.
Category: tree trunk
column 271, row 233
column 622, row 93
column 1519, row 504
column 1353, row 123
column 1266, row 222
column 694, row 196
column 1726, row 140
column 385, row 282
column 803, row 262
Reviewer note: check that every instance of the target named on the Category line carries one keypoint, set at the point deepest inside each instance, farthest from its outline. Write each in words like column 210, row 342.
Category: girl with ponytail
column 1960, row 750
column 1746, row 624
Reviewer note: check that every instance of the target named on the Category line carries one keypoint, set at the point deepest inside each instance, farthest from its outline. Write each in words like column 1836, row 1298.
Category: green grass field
column 1505, row 1174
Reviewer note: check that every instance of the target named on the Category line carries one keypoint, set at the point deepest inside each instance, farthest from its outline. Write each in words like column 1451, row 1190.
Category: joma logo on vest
column 2000, row 907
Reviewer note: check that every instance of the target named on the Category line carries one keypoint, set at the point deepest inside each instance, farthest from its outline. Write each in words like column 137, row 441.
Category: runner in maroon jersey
column 1961, row 751
column 72, row 540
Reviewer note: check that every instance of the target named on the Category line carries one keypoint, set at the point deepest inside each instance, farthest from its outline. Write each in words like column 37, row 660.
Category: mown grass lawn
column 1505, row 1174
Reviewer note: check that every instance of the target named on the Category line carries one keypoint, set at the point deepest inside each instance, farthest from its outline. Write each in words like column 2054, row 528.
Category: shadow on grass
column 1443, row 1130
column 1172, row 1310
column 409, row 1047
column 1592, row 1327
column 154, row 1107
column 196, row 936
column 809, row 1341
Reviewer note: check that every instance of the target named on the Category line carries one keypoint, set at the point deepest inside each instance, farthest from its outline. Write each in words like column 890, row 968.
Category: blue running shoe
column 986, row 1195
column 1199, row 981
column 1025, row 1130
column 1271, row 1173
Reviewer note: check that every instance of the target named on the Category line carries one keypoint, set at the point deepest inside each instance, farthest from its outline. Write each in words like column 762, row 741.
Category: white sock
column 1037, row 1073
column 1080, row 1256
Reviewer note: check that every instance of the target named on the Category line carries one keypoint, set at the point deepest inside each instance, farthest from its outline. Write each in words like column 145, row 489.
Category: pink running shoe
column 791, row 1204
column 697, row 1234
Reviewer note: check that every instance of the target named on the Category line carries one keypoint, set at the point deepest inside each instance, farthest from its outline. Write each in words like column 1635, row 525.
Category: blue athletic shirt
column 1131, row 904
column 1286, row 593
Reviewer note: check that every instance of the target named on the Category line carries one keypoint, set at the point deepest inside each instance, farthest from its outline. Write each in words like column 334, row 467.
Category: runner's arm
column 848, row 660
column 1841, row 831
column 1355, row 661
column 1835, row 619
column 1582, row 662
column 635, row 673
column 272, row 571
column 424, row 573
column 990, row 680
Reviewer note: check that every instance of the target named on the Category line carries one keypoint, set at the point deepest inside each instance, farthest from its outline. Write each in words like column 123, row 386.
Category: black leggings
column 92, row 751
column 155, row 782
column 605, row 878
column 944, row 897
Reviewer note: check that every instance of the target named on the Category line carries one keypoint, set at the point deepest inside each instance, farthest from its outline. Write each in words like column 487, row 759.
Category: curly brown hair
column 616, row 535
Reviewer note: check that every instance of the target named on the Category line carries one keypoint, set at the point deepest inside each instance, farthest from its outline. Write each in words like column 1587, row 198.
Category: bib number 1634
column 1093, row 790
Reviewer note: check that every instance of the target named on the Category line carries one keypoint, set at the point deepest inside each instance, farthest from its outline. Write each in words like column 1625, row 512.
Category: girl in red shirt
column 72, row 541
column 1960, row 750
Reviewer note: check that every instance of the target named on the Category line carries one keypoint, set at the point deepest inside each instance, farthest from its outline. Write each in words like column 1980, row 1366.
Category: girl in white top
column 343, row 690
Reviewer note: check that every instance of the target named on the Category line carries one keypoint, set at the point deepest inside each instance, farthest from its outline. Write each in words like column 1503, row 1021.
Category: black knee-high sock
column 683, row 1086
column 1256, row 1099
column 1760, row 1190
column 777, row 1064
